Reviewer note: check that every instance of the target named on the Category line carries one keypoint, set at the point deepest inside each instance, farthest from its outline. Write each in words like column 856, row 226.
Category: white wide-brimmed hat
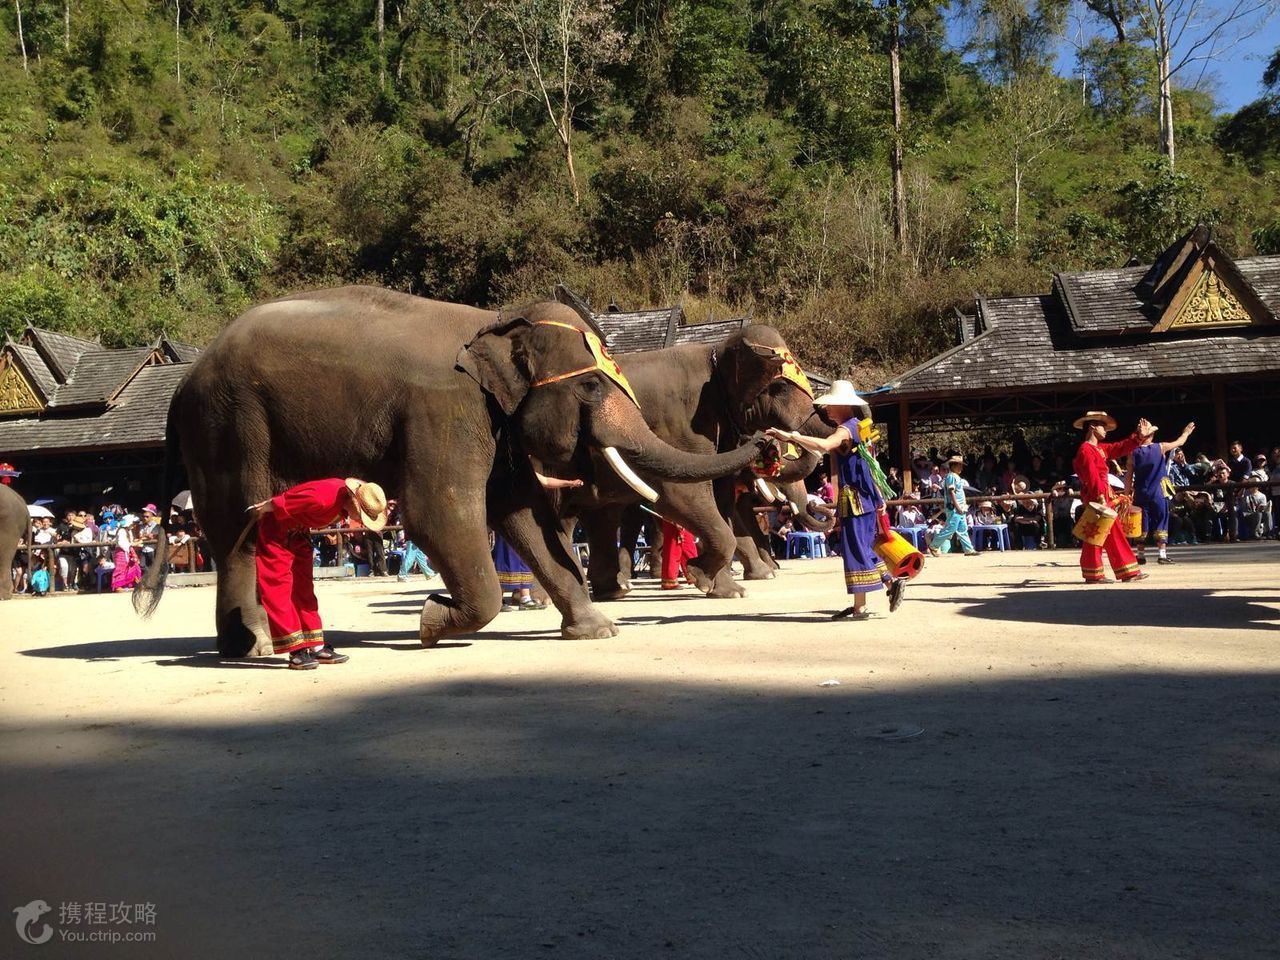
column 841, row 394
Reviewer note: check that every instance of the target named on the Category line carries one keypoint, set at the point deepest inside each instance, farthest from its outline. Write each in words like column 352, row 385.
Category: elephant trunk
column 798, row 497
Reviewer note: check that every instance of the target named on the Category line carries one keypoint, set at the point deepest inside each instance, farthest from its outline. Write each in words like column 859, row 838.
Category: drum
column 902, row 559
column 1133, row 523
column 1094, row 524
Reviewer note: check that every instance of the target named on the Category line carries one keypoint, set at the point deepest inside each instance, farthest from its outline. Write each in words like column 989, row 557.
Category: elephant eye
column 590, row 386
column 776, row 388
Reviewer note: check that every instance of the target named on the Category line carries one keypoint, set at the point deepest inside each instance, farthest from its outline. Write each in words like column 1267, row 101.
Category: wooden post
column 904, row 443
column 1220, row 416
column 1048, row 517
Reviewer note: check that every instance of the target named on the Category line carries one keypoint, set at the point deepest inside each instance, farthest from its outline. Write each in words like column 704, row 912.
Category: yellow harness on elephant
column 604, row 362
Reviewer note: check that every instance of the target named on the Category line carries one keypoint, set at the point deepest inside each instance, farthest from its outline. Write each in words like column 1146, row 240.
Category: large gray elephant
column 14, row 523
column 441, row 404
column 699, row 398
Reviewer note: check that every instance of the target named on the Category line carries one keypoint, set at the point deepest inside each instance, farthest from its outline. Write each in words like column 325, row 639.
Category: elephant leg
column 239, row 619
column 6, row 569
column 753, row 544
column 629, row 527
column 603, row 568
column 537, row 535
column 457, row 541
column 693, row 507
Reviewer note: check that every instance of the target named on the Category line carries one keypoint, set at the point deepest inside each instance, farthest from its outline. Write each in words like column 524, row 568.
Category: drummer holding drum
column 1097, row 528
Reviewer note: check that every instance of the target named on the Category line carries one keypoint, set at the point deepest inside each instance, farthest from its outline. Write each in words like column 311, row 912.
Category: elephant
column 444, row 405
column 699, row 398
column 14, row 525
column 787, row 487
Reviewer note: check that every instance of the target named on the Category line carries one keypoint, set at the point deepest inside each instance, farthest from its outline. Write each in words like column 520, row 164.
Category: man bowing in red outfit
column 285, row 563
column 1091, row 467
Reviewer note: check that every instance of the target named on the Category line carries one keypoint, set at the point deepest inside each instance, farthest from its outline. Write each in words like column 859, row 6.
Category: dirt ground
column 1096, row 776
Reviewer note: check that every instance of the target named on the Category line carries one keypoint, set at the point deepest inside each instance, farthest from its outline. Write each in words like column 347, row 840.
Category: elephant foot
column 442, row 618
column 235, row 640
column 589, row 626
column 723, row 587
column 610, row 593
column 759, row 575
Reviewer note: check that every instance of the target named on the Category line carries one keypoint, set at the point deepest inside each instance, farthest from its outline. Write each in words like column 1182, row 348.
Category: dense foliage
column 163, row 165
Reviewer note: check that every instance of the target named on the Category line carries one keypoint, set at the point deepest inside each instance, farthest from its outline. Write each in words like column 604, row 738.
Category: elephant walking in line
column 14, row 524
column 441, row 404
column 699, row 398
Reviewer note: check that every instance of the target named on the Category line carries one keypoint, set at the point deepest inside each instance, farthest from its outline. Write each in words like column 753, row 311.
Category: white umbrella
column 183, row 500
column 35, row 510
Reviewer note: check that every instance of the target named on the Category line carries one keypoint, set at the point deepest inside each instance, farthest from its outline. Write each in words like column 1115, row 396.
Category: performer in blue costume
column 863, row 515
column 1148, row 479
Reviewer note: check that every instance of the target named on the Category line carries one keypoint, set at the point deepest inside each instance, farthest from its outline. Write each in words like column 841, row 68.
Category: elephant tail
column 148, row 591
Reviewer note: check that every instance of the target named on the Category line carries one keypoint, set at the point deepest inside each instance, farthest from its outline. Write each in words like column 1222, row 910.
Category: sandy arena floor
column 1098, row 774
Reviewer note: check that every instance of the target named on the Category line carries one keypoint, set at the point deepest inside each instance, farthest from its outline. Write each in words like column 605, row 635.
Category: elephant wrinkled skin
column 13, row 527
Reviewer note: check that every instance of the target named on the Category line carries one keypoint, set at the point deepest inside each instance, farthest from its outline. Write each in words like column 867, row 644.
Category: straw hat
column 841, row 394
column 1101, row 416
column 956, row 459
column 76, row 523
column 370, row 503
column 986, row 505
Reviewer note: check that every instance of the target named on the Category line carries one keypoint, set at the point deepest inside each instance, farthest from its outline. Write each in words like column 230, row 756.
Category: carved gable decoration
column 1212, row 294
column 17, row 396
column 1210, row 304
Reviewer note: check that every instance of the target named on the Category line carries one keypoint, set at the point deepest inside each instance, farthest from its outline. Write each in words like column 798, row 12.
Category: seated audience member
column 1251, row 505
column 1063, row 521
column 780, row 524
column 1222, row 502
column 1237, row 463
column 39, row 580
column 1027, row 516
column 182, row 549
column 910, row 515
column 148, row 535
column 1180, row 472
column 1037, row 476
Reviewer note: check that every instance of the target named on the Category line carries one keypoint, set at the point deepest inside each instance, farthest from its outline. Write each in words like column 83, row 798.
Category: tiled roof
column 63, row 349
column 37, row 369
column 137, row 419
column 636, row 330
column 1029, row 344
column 184, row 352
column 1105, row 301
column 98, row 375
column 713, row 331
column 1263, row 274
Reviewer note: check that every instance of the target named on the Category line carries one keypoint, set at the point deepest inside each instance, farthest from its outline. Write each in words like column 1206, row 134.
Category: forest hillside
column 163, row 165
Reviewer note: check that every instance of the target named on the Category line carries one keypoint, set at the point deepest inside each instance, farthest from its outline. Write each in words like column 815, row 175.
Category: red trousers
column 1123, row 563
column 678, row 547
column 285, row 586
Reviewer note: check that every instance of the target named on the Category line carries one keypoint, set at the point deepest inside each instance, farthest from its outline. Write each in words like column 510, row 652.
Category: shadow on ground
column 1118, row 605
column 1128, row 816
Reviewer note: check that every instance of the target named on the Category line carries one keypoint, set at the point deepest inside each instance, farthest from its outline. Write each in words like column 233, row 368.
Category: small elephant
column 14, row 524
column 441, row 404
column 699, row 398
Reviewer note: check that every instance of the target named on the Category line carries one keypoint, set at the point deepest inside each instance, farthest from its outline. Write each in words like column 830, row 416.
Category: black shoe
column 1142, row 561
column 302, row 660
column 896, row 589
column 850, row 613
column 327, row 654
column 1164, row 560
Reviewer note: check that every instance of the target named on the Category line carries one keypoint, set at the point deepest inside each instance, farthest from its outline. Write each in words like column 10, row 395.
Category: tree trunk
column 177, row 36
column 17, row 5
column 382, row 32
column 895, row 158
column 1017, row 200
column 566, row 133
column 66, row 25
column 1166, row 86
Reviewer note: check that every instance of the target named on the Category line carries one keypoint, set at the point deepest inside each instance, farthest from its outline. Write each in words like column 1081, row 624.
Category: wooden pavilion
column 1194, row 336
column 78, row 418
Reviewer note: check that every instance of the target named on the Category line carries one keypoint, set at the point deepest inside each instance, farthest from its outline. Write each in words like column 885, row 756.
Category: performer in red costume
column 285, row 563
column 678, row 548
column 1091, row 467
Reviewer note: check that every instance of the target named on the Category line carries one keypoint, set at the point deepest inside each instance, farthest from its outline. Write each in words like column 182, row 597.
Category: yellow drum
column 1094, row 524
column 902, row 559
column 1133, row 523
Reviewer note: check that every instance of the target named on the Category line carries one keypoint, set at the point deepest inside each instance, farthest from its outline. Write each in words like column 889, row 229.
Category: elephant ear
column 746, row 368
column 490, row 359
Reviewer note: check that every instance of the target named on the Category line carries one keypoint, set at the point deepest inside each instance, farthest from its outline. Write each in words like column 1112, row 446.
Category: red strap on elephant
column 604, row 362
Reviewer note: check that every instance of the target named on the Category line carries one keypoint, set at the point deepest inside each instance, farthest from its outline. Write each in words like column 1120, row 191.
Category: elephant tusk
column 628, row 475
column 765, row 491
